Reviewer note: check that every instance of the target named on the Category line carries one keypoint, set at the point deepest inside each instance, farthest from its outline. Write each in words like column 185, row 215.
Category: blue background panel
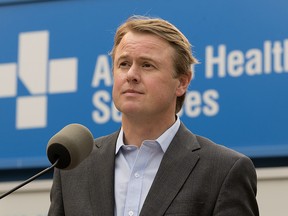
column 251, row 114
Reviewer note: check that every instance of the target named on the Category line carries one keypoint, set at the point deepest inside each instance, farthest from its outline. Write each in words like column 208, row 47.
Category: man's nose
column 133, row 74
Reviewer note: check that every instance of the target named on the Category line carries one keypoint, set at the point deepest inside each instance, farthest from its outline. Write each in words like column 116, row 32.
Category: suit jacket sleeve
column 238, row 191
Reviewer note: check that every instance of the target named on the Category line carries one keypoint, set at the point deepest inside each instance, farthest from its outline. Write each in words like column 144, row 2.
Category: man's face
column 144, row 85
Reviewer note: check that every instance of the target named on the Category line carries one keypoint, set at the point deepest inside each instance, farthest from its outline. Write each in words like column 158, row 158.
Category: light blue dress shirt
column 135, row 170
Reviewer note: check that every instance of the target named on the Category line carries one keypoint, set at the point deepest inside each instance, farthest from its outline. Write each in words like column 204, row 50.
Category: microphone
column 65, row 150
column 71, row 145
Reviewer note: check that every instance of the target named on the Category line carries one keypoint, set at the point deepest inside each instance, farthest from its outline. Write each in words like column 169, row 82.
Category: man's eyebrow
column 124, row 56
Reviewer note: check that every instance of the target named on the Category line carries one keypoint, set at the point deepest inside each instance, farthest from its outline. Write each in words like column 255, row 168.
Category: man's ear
column 184, row 81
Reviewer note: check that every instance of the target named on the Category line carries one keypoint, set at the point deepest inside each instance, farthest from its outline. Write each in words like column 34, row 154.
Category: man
column 154, row 165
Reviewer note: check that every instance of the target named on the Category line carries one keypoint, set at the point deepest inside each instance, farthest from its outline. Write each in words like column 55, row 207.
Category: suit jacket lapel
column 102, row 176
column 177, row 164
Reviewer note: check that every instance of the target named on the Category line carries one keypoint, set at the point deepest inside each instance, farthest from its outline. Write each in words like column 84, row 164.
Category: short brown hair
column 183, row 58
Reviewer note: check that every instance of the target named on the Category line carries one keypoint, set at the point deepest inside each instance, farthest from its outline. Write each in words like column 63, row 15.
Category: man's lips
column 131, row 91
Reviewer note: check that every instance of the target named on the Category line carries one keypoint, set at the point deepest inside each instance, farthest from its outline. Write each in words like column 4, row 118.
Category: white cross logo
column 39, row 75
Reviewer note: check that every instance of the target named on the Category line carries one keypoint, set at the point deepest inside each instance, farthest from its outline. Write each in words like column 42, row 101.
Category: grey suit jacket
column 196, row 177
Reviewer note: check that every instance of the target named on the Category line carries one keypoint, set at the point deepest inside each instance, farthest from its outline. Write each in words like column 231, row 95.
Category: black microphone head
column 71, row 145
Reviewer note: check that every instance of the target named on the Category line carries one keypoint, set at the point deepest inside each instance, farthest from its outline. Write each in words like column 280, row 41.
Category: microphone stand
column 29, row 180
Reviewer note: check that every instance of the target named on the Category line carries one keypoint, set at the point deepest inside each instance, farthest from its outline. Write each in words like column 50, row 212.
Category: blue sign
column 55, row 70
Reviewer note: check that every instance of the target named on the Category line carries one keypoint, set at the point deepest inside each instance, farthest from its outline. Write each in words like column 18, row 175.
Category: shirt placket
column 134, row 189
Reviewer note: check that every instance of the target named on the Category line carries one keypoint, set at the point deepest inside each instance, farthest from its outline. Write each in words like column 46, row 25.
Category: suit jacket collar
column 177, row 164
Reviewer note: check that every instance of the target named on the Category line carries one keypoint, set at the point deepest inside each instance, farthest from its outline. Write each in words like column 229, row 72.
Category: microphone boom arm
column 30, row 179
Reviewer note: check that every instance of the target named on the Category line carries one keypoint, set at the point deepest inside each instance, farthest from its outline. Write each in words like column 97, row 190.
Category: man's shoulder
column 206, row 143
column 209, row 147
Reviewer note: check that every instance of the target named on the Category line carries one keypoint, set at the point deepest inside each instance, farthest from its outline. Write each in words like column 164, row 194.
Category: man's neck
column 136, row 131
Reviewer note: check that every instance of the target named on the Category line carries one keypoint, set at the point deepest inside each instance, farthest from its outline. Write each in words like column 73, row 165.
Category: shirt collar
column 164, row 140
column 120, row 142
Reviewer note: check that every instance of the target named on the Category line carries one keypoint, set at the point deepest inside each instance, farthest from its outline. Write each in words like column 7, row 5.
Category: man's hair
column 183, row 58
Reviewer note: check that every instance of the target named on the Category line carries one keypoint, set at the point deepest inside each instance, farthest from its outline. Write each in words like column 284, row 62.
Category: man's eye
column 124, row 64
column 147, row 65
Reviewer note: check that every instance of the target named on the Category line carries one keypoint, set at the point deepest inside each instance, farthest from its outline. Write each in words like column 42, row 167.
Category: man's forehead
column 133, row 42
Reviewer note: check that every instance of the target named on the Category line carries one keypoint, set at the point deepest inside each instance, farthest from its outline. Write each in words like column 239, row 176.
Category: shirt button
column 137, row 175
column 130, row 213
